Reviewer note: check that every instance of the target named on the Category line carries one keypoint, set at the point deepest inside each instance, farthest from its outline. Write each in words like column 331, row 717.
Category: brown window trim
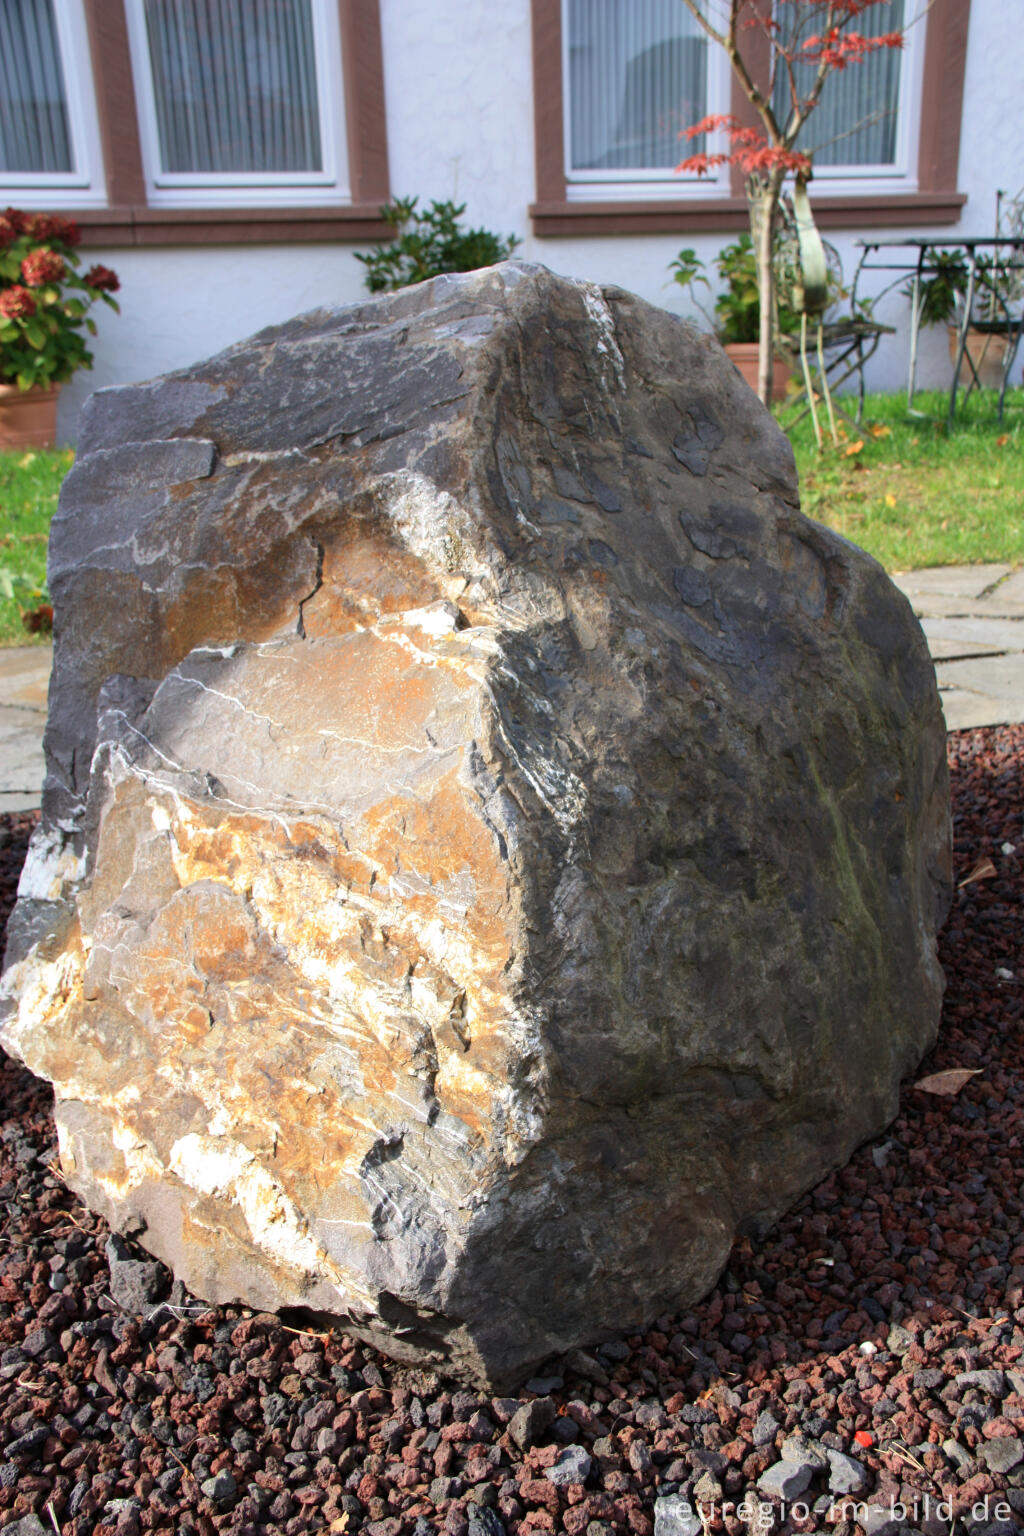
column 112, row 228
column 128, row 220
column 935, row 202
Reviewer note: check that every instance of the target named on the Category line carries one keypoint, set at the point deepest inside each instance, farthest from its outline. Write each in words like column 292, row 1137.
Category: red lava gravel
column 862, row 1368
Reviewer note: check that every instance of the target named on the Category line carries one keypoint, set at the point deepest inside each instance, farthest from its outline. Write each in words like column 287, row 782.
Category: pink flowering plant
column 45, row 299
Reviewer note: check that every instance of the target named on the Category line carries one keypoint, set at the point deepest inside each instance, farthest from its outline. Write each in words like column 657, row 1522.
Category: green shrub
column 428, row 244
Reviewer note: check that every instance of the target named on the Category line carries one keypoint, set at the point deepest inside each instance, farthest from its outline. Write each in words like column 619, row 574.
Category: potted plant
column 44, row 304
column 737, row 316
column 428, row 245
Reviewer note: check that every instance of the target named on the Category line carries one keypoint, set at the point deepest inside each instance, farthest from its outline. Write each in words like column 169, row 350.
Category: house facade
column 229, row 157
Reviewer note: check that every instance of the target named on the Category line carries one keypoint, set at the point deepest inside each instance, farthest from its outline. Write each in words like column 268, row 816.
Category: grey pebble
column 530, row 1421
column 785, row 1479
column 676, row 1516
column 135, row 1284
column 879, row 1520
column 1002, row 1454
column 845, row 1474
column 766, row 1427
column 543, row 1385
column 222, row 1486
column 992, row 1382
column 485, row 1522
column 573, row 1466
column 803, row 1452
column 443, row 1488
column 28, row 1525
column 651, row 1415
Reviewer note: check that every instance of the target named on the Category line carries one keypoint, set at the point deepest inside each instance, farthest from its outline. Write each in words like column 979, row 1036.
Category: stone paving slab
column 965, row 711
column 992, row 607
column 997, row 677
column 972, row 636
column 24, row 680
column 1012, row 589
column 960, row 650
column 968, row 582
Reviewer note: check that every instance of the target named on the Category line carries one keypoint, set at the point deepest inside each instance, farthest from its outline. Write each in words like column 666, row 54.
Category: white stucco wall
column 458, row 81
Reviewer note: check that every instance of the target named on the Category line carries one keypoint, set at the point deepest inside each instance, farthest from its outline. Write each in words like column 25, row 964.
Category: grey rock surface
column 766, row 1427
column 28, row 1525
column 786, row 1479
column 1002, row 1454
column 492, row 845
column 989, row 1381
column 529, row 1422
column 880, row 1520
column 135, row 1284
column 804, row 1452
column 674, row 1515
column 573, row 1466
column 485, row 1522
column 846, row 1474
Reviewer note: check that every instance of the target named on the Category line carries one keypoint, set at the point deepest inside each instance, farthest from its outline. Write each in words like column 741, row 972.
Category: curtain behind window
column 637, row 78
column 235, row 85
column 856, row 119
column 34, row 133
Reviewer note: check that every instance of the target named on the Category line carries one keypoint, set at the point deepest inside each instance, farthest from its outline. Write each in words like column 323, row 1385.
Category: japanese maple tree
column 805, row 41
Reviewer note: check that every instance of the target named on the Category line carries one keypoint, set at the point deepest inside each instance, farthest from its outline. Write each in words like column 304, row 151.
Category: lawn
column 904, row 488
column 29, row 483
column 913, row 494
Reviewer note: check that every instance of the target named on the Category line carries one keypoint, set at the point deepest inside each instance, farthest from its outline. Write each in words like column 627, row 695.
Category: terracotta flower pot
column 28, row 418
column 986, row 350
column 745, row 355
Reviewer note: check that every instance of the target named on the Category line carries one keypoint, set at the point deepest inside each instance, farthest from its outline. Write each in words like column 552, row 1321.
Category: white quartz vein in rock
column 224, row 1169
column 607, row 344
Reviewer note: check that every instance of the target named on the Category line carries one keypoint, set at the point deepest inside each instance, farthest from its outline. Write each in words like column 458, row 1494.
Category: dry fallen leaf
column 880, row 429
column 983, row 870
column 890, row 499
column 1002, row 441
column 946, row 1083
column 853, row 448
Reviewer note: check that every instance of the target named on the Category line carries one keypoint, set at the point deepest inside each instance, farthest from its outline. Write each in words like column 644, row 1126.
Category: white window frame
column 204, row 189
column 85, row 185
column 901, row 175
column 634, row 184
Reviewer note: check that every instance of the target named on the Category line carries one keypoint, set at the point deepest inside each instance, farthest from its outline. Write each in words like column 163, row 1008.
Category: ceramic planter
column 745, row 354
column 987, row 351
column 28, row 418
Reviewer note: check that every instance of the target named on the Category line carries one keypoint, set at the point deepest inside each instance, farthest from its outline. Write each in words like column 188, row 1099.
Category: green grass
column 29, row 484
column 914, row 494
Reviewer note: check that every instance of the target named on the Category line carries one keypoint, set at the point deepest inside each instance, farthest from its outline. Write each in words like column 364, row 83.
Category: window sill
column 295, row 225
column 854, row 211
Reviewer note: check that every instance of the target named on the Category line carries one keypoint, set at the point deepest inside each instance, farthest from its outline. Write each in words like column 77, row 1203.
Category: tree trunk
column 763, row 199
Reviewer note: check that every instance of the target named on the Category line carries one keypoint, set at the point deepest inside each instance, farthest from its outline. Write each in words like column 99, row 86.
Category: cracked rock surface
column 493, row 844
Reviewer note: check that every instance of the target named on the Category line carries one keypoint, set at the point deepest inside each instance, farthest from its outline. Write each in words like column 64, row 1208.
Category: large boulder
column 493, row 844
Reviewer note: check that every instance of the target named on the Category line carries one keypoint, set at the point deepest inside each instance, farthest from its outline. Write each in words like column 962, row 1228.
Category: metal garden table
column 917, row 264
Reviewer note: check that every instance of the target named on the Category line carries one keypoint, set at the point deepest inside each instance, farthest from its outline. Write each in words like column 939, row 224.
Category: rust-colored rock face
column 493, row 844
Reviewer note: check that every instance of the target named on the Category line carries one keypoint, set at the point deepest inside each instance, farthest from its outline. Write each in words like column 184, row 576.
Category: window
column 636, row 74
column 864, row 126
column 191, row 122
column 240, row 100
column 614, row 79
column 48, row 137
